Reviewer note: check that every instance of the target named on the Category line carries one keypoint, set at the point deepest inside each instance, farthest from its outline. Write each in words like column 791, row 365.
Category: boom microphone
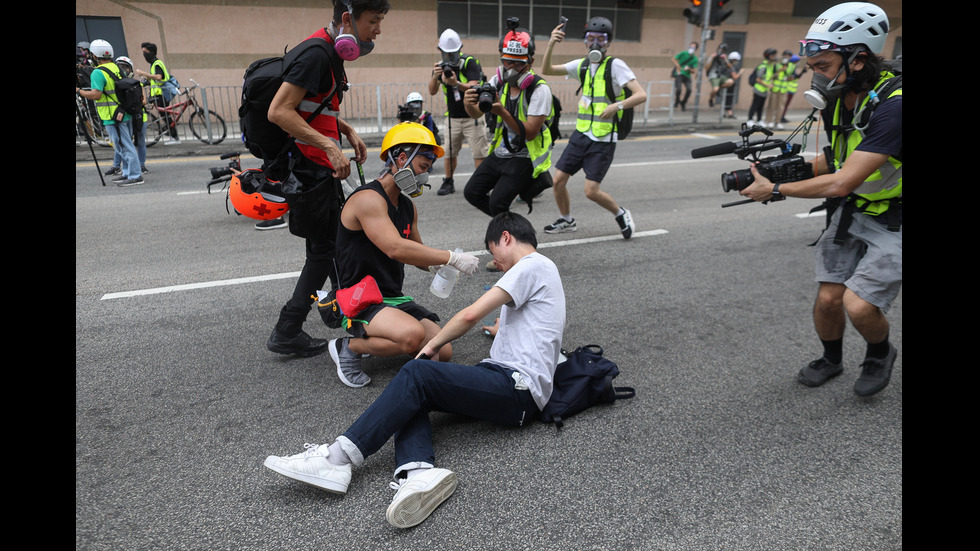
column 711, row 150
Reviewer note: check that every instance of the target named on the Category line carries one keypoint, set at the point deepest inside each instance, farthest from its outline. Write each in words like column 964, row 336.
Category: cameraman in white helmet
column 859, row 256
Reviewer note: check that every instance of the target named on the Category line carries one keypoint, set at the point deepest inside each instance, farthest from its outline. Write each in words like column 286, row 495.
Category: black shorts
column 357, row 328
column 583, row 153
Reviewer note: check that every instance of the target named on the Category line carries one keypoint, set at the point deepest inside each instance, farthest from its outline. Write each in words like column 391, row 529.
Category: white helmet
column 101, row 49
column 449, row 41
column 414, row 96
column 851, row 24
column 734, row 56
column 124, row 59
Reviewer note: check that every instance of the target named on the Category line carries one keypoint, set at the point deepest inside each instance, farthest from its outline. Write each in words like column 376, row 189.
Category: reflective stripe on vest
column 325, row 123
column 594, row 89
column 886, row 182
column 539, row 149
column 106, row 105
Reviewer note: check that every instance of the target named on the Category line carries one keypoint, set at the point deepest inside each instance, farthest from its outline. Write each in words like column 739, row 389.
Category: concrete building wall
column 213, row 41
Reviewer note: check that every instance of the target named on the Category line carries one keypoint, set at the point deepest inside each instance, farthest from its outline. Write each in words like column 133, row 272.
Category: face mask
column 451, row 58
column 511, row 76
column 595, row 54
column 691, row 51
column 150, row 58
column 405, row 178
column 824, row 91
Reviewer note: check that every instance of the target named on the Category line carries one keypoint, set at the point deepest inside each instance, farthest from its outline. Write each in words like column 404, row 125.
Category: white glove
column 463, row 262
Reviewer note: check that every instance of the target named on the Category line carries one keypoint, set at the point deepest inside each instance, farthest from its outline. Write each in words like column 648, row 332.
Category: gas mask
column 405, row 178
column 824, row 91
column 596, row 43
column 450, row 58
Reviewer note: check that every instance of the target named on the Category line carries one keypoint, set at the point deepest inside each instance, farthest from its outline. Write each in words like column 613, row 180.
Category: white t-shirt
column 531, row 325
column 621, row 74
column 538, row 105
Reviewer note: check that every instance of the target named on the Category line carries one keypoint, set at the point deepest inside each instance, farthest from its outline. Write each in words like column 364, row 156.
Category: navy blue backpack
column 581, row 381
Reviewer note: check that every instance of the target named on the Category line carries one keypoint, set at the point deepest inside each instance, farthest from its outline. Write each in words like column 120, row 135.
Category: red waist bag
column 364, row 293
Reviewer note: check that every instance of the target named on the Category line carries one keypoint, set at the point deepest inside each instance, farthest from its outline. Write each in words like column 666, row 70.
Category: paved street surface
column 707, row 311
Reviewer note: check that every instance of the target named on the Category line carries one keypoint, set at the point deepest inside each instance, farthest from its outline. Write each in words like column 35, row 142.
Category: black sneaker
column 126, row 182
column 113, row 170
column 301, row 344
column 447, row 187
column 144, row 170
column 625, row 222
column 560, row 226
column 875, row 373
column 818, row 372
column 271, row 224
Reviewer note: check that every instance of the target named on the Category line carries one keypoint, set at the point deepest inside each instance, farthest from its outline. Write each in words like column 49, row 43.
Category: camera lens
column 219, row 172
column 447, row 71
column 736, row 180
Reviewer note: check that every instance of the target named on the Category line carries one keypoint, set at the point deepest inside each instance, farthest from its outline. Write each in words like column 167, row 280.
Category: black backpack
column 129, row 93
column 556, row 109
column 580, row 382
column 264, row 139
column 624, row 125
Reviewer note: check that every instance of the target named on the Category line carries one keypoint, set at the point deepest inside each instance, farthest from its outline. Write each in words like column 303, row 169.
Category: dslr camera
column 486, row 95
column 788, row 166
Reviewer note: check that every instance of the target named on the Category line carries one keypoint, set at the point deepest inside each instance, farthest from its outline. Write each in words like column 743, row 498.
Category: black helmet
column 599, row 25
column 769, row 53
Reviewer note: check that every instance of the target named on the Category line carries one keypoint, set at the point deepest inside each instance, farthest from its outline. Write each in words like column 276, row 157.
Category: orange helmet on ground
column 257, row 197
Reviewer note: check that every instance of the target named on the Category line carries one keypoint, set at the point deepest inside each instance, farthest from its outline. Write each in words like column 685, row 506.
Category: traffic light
column 718, row 12
column 695, row 14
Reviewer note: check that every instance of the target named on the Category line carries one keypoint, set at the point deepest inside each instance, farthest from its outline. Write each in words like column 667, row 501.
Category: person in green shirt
column 684, row 64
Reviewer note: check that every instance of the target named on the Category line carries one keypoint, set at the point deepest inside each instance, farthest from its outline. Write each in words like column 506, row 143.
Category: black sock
column 833, row 350
column 878, row 350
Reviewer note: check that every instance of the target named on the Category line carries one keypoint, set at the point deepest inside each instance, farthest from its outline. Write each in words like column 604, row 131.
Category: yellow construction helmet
column 409, row 133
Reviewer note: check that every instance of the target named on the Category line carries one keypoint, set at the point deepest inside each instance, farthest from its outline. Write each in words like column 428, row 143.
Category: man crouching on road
column 509, row 388
column 377, row 237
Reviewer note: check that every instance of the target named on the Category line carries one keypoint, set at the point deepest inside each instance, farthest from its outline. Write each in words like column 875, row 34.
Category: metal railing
column 372, row 109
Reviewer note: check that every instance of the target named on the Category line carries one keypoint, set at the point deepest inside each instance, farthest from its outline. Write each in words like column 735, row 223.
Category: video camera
column 222, row 174
column 788, row 166
column 407, row 114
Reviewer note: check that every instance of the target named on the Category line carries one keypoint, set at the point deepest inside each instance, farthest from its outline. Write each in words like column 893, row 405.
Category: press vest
column 539, row 149
column 886, row 182
column 156, row 86
column 461, row 78
column 765, row 77
column 326, row 121
column 594, row 90
column 106, row 105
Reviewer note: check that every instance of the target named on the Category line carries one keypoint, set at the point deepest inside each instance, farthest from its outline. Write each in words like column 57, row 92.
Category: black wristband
column 775, row 189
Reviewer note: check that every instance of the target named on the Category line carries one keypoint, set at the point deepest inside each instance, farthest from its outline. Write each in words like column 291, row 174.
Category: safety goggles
column 810, row 48
column 428, row 155
column 599, row 39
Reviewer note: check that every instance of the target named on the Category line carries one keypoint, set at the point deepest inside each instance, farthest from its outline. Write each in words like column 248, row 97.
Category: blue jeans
column 121, row 135
column 140, row 147
column 484, row 391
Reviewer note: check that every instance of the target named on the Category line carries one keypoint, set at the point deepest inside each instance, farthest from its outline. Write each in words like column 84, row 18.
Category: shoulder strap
column 110, row 73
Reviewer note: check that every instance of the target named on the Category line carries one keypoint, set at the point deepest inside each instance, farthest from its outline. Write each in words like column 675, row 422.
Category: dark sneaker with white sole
column 300, row 344
column 560, row 226
column 626, row 224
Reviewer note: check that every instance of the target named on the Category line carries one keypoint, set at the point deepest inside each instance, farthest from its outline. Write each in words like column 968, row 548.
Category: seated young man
column 508, row 388
column 378, row 236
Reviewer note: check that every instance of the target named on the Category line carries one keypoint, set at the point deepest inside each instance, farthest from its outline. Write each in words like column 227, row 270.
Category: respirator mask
column 825, row 91
column 596, row 43
column 347, row 45
column 405, row 178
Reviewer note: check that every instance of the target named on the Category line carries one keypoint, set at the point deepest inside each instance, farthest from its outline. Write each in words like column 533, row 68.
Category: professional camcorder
column 487, row 94
column 788, row 166
column 408, row 114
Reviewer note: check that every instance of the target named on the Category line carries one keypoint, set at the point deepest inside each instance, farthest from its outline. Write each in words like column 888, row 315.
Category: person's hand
column 464, row 262
column 360, row 148
column 339, row 162
column 610, row 111
column 760, row 189
column 492, row 329
column 557, row 35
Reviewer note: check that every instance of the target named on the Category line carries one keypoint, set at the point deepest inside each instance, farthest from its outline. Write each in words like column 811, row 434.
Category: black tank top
column 357, row 256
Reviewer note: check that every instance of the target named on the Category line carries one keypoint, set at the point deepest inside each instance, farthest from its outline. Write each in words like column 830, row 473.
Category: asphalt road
column 706, row 311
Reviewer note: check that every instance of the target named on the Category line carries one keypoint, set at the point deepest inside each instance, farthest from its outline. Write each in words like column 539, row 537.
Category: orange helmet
column 257, row 197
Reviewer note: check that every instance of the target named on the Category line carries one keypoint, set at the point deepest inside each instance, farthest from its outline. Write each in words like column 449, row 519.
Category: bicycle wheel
column 199, row 122
column 155, row 129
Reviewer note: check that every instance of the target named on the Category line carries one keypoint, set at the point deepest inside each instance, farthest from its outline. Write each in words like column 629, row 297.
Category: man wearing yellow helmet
column 377, row 237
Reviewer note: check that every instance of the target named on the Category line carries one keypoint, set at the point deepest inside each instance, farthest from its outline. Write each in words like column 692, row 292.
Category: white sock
column 412, row 472
column 567, row 217
column 621, row 211
column 337, row 455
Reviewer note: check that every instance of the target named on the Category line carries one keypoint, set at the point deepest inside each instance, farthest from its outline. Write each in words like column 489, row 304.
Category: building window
column 110, row 29
column 488, row 18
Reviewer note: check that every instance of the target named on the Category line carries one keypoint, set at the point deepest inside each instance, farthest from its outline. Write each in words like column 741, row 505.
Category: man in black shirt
column 378, row 236
column 457, row 73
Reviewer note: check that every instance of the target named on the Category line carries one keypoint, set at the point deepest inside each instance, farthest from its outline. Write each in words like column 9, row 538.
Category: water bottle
column 445, row 280
column 492, row 316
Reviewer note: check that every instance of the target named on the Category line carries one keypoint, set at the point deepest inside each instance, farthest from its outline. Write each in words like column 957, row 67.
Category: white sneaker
column 419, row 495
column 313, row 468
